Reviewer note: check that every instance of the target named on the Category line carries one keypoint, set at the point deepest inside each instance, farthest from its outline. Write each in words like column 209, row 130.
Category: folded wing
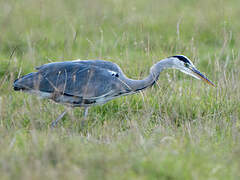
column 73, row 79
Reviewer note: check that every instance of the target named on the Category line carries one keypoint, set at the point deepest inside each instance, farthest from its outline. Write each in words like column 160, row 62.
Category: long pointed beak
column 201, row 76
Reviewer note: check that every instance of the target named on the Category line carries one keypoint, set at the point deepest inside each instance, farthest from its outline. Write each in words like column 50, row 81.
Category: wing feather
column 75, row 79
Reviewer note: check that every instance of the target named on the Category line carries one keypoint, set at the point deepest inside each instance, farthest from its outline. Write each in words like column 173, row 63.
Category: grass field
column 181, row 128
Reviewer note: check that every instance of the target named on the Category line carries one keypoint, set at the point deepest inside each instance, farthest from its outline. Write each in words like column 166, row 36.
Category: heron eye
column 186, row 65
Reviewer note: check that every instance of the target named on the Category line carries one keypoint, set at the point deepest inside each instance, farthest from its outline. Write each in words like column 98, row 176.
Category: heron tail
column 24, row 83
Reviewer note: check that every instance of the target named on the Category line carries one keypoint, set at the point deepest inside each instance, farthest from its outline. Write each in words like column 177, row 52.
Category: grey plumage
column 92, row 82
column 77, row 83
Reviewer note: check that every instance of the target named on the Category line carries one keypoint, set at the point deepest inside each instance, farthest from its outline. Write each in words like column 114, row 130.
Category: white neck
column 155, row 71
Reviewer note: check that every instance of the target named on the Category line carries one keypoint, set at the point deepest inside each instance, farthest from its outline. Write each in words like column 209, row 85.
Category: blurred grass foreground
column 179, row 129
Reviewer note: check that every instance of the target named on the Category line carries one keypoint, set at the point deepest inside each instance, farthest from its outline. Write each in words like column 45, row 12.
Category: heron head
column 186, row 66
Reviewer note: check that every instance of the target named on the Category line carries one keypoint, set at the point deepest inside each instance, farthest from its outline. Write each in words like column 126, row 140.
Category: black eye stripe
column 182, row 58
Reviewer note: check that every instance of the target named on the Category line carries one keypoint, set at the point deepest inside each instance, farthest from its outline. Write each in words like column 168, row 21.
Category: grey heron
column 84, row 83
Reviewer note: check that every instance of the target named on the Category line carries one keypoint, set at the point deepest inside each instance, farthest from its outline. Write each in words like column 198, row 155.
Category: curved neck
column 156, row 69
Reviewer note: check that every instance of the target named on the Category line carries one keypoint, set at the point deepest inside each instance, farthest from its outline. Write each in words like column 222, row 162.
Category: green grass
column 179, row 129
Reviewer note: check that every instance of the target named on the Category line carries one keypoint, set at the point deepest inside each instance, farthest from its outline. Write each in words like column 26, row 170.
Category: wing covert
column 76, row 80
